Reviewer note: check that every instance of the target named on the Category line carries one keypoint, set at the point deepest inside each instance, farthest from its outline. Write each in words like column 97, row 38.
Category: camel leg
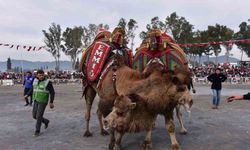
column 179, row 116
column 118, row 139
column 99, row 114
column 112, row 139
column 90, row 94
column 147, row 141
column 171, row 130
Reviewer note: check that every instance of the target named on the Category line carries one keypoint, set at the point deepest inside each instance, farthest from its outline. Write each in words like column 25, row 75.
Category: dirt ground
column 227, row 128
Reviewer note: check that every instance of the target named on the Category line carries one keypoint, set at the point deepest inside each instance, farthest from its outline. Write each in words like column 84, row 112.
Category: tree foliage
column 73, row 43
column 129, row 28
column 243, row 33
column 53, row 38
column 9, row 64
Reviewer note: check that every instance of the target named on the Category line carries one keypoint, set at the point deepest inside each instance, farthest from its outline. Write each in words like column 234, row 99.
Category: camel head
column 119, row 117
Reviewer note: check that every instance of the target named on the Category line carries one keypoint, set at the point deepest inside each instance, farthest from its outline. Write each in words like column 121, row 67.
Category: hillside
column 30, row 65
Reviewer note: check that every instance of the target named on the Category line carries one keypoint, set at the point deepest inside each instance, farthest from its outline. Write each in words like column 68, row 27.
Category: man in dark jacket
column 239, row 97
column 42, row 90
column 28, row 81
column 216, row 78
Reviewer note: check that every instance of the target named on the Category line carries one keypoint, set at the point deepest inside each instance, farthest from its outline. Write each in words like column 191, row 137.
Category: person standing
column 216, row 78
column 28, row 81
column 42, row 91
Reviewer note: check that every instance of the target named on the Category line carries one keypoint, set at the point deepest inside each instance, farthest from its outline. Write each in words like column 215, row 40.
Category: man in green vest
column 42, row 91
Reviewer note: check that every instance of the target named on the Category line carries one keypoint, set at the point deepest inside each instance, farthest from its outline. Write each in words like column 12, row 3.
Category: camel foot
column 87, row 134
column 104, row 132
column 175, row 147
column 147, row 145
column 117, row 147
column 183, row 131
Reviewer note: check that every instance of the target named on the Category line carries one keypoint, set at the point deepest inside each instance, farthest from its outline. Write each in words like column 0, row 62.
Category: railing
column 11, row 82
column 198, row 80
column 230, row 80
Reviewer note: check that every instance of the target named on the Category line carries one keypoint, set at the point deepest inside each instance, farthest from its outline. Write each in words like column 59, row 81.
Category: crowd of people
column 229, row 70
column 50, row 74
column 198, row 72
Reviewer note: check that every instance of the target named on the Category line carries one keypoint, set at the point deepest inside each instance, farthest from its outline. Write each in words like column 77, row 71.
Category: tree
column 226, row 35
column 90, row 32
column 243, row 33
column 219, row 33
column 73, row 43
column 155, row 23
column 197, row 50
column 9, row 64
column 180, row 28
column 214, row 36
column 129, row 28
column 53, row 42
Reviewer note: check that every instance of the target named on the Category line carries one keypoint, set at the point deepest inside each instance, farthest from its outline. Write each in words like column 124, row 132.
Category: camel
column 104, row 43
column 138, row 99
column 158, row 50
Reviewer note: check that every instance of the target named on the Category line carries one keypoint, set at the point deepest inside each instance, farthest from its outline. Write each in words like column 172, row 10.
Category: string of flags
column 28, row 48
column 38, row 48
column 229, row 43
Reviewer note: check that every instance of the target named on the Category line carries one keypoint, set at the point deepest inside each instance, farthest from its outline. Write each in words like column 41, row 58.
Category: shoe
column 214, row 107
column 37, row 133
column 46, row 125
column 26, row 104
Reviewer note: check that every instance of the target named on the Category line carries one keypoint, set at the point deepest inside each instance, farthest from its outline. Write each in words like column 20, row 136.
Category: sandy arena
column 227, row 128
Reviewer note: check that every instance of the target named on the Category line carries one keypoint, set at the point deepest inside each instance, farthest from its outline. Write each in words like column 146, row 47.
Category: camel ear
column 134, row 97
column 132, row 106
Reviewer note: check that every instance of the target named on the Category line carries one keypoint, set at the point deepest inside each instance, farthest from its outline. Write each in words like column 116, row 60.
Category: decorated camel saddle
column 159, row 50
column 98, row 57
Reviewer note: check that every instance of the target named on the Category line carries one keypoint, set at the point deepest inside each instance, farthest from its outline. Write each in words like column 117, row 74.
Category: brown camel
column 141, row 99
column 158, row 50
column 116, row 42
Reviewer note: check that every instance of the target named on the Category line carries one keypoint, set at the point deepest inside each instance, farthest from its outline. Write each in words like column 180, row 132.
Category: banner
column 28, row 48
column 229, row 43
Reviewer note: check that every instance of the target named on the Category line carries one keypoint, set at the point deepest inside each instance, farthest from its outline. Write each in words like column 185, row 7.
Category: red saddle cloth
column 96, row 60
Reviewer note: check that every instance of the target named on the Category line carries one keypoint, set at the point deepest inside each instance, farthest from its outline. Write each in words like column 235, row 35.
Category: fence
column 230, row 80
column 198, row 80
column 11, row 82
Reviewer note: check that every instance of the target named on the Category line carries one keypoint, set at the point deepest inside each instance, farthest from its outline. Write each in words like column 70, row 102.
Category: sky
column 22, row 21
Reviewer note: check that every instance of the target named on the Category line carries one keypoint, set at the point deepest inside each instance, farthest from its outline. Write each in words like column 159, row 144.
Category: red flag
column 29, row 48
column 40, row 48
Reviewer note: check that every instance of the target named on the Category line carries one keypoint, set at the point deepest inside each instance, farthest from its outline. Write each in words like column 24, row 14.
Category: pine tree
column 8, row 64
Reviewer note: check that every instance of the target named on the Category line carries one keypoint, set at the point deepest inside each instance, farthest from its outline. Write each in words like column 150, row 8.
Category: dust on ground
column 227, row 128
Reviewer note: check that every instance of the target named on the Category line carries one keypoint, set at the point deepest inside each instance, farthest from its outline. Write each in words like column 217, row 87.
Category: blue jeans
column 216, row 97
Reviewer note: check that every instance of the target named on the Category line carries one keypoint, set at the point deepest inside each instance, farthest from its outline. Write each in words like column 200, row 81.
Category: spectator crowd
column 231, row 71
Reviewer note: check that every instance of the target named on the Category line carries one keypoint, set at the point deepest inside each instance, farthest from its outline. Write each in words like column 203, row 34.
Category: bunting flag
column 28, row 48
column 229, row 43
